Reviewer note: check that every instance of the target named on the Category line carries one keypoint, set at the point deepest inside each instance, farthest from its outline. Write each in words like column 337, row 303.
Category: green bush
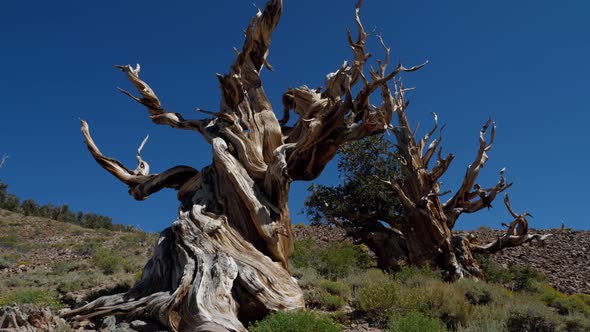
column 357, row 280
column 8, row 260
column 61, row 267
column 525, row 277
column 412, row 275
column 565, row 304
column 88, row 248
column 295, row 321
column 8, row 241
column 447, row 302
column 577, row 323
column 306, row 277
column 321, row 299
column 481, row 293
column 69, row 286
column 38, row 297
column 336, row 288
column 493, row 271
column 377, row 298
column 486, row 318
column 108, row 261
column 305, row 254
column 336, row 260
column 412, row 299
column 585, row 298
column 341, row 258
column 532, row 316
column 414, row 322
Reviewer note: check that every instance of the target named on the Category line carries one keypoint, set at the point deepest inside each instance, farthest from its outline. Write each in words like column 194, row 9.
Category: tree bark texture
column 425, row 236
column 224, row 262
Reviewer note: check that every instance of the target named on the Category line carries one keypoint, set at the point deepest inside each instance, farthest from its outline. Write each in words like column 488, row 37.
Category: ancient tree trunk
column 224, row 261
column 426, row 235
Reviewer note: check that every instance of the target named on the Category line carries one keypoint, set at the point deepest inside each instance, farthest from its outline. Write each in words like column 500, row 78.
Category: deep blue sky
column 525, row 63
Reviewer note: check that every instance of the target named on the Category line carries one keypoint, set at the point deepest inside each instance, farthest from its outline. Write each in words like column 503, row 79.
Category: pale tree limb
column 141, row 183
column 516, row 235
column 151, row 101
column 3, row 160
column 464, row 192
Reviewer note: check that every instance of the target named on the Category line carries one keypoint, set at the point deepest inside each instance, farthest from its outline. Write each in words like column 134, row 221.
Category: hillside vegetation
column 56, row 264
column 29, row 207
column 59, row 265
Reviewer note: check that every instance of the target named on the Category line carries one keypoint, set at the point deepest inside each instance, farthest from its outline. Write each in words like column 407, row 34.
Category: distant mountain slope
column 59, row 262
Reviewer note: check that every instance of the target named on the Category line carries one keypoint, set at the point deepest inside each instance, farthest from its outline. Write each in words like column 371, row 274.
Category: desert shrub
column 525, row 277
column 61, row 267
column 295, row 321
column 577, row 323
column 108, row 261
column 135, row 239
column 447, row 303
column 481, row 293
column 306, row 277
column 486, row 318
column 357, row 280
column 7, row 260
column 565, row 304
column 340, row 317
column 493, row 271
column 414, row 322
column 377, row 298
column 321, row 299
column 336, row 288
column 413, row 275
column 341, row 258
column 532, row 316
column 305, row 254
column 336, row 260
column 87, row 248
column 69, row 286
column 38, row 297
column 333, row 302
column 8, row 241
column 412, row 299
column 585, row 298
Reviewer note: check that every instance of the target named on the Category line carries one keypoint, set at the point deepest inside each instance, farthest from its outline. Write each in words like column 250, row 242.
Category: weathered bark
column 224, row 261
column 426, row 236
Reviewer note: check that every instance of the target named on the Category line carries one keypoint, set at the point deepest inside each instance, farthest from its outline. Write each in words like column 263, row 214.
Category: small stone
column 109, row 323
column 137, row 324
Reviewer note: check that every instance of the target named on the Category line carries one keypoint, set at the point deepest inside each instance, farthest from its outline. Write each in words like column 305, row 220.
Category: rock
column 108, row 323
column 141, row 326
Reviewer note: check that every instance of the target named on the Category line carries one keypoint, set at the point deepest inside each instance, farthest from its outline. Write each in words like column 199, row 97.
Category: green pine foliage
column 363, row 165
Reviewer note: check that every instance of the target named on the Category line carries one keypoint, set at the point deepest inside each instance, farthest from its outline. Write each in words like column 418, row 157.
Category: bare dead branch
column 154, row 107
column 141, row 185
column 3, row 160
column 473, row 169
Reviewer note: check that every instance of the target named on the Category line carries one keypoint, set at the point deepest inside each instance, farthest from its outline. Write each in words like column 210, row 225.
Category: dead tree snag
column 224, row 261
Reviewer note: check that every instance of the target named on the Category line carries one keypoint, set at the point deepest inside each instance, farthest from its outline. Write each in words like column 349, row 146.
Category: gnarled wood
column 426, row 236
column 223, row 263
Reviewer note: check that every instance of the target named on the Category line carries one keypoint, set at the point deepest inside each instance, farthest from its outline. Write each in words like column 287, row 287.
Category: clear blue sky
column 525, row 63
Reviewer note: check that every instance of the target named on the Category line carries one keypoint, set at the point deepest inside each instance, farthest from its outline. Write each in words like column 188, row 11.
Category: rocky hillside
column 54, row 263
column 564, row 258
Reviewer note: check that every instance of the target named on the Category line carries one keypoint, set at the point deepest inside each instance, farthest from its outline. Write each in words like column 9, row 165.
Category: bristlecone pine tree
column 224, row 261
column 390, row 201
